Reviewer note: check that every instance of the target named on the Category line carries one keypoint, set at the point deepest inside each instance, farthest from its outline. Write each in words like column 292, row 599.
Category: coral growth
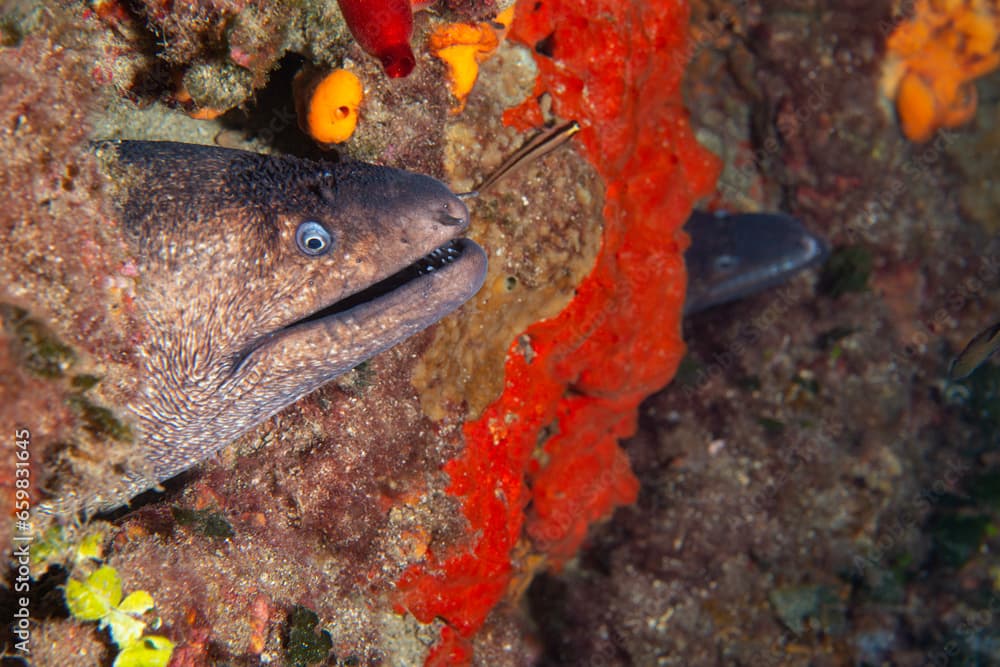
column 573, row 382
column 213, row 56
column 934, row 59
column 463, row 46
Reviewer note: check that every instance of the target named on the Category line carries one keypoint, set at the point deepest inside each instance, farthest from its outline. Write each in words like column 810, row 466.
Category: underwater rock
column 70, row 326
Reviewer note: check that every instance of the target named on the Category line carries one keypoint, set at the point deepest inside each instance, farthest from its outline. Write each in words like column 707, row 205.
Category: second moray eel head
column 262, row 278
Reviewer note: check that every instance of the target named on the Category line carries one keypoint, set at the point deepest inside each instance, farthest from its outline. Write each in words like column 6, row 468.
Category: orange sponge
column 327, row 104
column 933, row 60
column 463, row 46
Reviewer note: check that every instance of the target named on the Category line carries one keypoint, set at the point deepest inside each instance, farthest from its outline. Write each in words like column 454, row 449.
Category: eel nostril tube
column 454, row 213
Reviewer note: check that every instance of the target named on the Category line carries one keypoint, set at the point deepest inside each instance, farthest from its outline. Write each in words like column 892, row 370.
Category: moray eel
column 734, row 256
column 263, row 277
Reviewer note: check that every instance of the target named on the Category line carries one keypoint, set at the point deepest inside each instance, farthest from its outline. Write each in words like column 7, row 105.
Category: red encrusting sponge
column 383, row 29
column 542, row 463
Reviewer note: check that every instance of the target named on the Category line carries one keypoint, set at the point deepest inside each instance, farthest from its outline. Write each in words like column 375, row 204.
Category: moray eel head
column 734, row 256
column 261, row 278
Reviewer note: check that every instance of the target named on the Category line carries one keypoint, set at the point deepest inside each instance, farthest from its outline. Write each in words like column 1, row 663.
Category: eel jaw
column 373, row 319
column 436, row 260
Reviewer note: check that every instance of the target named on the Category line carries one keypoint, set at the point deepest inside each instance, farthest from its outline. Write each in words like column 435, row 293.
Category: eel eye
column 725, row 263
column 312, row 238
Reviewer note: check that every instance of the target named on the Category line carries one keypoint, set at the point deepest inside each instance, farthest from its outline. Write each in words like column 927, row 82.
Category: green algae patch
column 797, row 605
column 99, row 420
column 985, row 490
column 40, row 350
column 43, row 354
column 205, row 522
column 358, row 379
column 11, row 33
column 306, row 647
column 84, row 381
column 847, row 270
column 688, row 372
column 957, row 538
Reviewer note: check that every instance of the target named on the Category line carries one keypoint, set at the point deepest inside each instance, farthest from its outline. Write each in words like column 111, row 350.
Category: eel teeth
column 438, row 258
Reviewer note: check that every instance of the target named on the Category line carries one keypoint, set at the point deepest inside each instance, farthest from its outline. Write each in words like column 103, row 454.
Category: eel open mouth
column 410, row 299
column 436, row 260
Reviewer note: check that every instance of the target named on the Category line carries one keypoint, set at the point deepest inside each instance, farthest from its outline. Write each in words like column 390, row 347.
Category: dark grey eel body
column 734, row 256
column 262, row 278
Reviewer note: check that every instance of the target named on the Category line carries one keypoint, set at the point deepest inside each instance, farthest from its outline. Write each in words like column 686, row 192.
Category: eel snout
column 734, row 256
column 428, row 200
